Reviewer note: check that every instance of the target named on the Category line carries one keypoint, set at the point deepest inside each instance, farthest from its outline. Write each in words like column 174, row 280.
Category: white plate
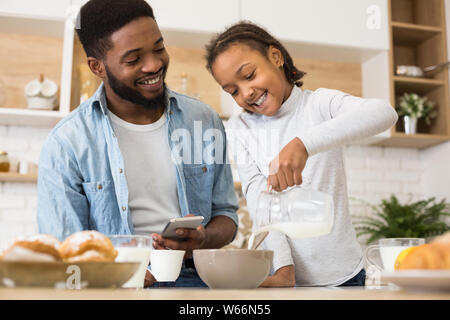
column 419, row 280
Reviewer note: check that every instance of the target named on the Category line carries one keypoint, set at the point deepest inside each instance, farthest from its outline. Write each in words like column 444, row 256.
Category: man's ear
column 97, row 67
column 275, row 56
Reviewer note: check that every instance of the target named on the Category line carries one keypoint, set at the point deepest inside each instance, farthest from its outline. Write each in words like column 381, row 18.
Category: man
column 111, row 164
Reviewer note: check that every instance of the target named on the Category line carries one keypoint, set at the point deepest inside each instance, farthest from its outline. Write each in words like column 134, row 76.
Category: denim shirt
column 82, row 183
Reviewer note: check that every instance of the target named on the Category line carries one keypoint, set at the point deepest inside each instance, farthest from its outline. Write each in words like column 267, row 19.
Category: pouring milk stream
column 298, row 212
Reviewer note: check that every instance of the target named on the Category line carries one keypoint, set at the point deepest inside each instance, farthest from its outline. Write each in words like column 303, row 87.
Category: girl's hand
column 286, row 169
column 283, row 277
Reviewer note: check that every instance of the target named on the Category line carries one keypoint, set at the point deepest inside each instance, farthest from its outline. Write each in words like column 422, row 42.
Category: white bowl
column 233, row 268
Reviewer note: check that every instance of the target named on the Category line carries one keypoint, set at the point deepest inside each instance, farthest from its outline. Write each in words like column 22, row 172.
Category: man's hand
column 194, row 239
column 283, row 277
column 286, row 169
column 149, row 279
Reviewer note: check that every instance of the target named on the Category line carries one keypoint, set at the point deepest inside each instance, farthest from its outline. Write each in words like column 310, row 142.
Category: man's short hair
column 98, row 19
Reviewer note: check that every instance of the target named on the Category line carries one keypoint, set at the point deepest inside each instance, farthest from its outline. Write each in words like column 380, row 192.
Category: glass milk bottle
column 297, row 212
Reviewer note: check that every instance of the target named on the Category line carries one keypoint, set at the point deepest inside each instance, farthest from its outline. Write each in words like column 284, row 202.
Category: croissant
column 87, row 246
column 40, row 247
column 434, row 255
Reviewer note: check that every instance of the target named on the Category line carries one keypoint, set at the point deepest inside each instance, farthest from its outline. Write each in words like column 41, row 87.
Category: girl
column 311, row 128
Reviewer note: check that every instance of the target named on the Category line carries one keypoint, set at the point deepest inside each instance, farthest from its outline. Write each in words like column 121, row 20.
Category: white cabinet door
column 195, row 15
column 46, row 9
column 350, row 23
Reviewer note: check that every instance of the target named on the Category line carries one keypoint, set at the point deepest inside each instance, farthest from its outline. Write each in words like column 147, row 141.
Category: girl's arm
column 340, row 118
column 336, row 119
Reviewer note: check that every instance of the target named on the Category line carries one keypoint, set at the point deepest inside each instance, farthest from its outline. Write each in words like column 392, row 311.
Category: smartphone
column 175, row 223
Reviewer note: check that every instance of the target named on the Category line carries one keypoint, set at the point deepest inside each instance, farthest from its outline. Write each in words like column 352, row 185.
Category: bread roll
column 40, row 247
column 435, row 255
column 87, row 246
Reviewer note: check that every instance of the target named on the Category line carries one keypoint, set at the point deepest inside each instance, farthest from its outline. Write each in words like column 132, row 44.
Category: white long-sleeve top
column 324, row 120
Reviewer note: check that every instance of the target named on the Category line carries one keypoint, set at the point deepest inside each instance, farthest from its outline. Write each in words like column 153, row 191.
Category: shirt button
column 124, row 208
column 99, row 187
column 204, row 169
column 120, row 170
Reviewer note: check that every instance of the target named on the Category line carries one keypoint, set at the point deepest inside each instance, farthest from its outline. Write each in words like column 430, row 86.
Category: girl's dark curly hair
column 255, row 37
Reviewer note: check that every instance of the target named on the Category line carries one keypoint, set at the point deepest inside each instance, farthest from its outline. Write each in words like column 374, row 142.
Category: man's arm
column 220, row 231
column 62, row 206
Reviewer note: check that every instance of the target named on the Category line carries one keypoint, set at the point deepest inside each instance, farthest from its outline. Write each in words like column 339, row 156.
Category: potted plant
column 420, row 219
column 413, row 107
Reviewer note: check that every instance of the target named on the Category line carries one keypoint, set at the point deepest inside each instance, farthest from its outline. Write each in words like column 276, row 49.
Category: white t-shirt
column 324, row 120
column 150, row 173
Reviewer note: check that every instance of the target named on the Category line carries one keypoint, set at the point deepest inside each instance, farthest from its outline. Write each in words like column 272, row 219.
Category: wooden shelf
column 29, row 117
column 411, row 34
column 418, row 141
column 417, row 85
column 417, row 27
column 418, row 37
column 17, row 177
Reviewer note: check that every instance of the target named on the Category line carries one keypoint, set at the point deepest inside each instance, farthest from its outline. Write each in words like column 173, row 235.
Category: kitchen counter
column 299, row 293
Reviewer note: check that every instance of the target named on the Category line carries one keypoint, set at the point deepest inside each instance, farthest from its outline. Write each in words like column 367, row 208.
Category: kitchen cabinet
column 195, row 16
column 43, row 9
column 418, row 37
column 324, row 28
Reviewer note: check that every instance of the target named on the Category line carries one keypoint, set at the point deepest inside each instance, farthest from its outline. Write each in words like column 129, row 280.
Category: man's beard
column 134, row 96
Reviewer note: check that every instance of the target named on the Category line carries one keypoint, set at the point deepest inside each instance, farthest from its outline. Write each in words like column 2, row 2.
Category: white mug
column 389, row 249
column 166, row 264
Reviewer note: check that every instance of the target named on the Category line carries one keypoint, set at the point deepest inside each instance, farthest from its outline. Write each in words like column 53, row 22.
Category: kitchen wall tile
column 401, row 153
column 382, row 187
column 8, row 201
column 30, row 229
column 13, row 145
column 402, row 176
column 415, row 165
column 364, row 175
column 356, row 187
column 25, row 189
column 27, row 133
column 3, row 131
column 355, row 163
column 384, row 164
column 363, row 151
column 18, row 215
column 31, row 203
column 412, row 188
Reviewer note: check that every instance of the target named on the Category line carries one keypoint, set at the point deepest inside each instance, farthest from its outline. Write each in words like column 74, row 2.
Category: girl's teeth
column 261, row 100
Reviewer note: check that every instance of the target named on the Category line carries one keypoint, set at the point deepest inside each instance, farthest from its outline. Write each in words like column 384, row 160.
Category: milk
column 295, row 230
column 135, row 254
column 389, row 254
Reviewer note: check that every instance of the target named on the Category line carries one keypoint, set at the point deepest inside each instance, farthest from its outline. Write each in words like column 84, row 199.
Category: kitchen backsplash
column 373, row 173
